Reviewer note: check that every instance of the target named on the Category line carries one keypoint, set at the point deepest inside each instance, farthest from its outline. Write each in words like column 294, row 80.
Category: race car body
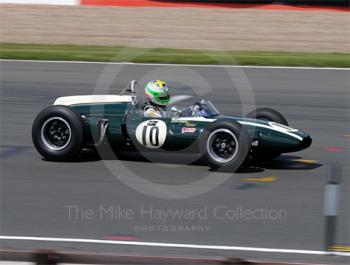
column 76, row 122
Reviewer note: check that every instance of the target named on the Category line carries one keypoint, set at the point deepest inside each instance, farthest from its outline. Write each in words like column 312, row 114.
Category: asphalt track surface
column 35, row 193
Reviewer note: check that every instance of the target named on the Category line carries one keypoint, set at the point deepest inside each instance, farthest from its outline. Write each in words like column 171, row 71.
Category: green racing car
column 61, row 131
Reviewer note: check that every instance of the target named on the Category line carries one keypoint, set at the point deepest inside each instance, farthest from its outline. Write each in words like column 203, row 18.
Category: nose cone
column 305, row 143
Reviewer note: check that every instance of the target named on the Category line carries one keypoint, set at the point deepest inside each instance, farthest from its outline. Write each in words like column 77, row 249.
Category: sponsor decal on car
column 188, row 130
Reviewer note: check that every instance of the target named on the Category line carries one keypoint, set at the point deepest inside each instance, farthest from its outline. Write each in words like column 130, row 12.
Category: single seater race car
column 72, row 123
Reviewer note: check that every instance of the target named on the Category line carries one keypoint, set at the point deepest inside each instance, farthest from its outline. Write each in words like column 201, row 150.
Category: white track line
column 189, row 65
column 173, row 245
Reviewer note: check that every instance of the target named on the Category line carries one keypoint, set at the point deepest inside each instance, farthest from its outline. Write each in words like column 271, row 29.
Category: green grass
column 163, row 55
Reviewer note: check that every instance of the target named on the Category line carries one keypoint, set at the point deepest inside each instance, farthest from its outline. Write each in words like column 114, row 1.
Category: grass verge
column 174, row 56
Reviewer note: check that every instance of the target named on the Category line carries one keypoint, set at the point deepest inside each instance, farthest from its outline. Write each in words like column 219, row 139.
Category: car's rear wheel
column 224, row 145
column 57, row 133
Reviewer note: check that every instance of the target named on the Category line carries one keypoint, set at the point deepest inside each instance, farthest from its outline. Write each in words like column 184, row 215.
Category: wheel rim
column 222, row 145
column 56, row 133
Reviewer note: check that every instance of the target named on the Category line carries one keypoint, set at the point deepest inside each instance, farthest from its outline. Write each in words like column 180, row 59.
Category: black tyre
column 224, row 145
column 269, row 115
column 57, row 133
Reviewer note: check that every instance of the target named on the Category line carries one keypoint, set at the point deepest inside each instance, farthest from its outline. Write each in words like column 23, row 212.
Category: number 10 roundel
column 151, row 133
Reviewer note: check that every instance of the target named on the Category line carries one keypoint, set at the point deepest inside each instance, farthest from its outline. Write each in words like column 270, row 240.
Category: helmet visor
column 162, row 98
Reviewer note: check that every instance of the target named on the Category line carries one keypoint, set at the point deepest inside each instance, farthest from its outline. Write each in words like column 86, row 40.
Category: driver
column 157, row 97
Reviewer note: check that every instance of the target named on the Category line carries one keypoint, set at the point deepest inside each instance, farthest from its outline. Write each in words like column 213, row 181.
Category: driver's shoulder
column 149, row 106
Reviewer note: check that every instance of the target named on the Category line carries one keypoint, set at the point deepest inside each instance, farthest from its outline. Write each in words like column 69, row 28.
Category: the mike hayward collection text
column 164, row 215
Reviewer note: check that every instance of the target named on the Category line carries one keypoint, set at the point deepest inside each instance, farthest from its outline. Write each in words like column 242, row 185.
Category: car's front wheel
column 57, row 133
column 224, row 145
column 268, row 114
